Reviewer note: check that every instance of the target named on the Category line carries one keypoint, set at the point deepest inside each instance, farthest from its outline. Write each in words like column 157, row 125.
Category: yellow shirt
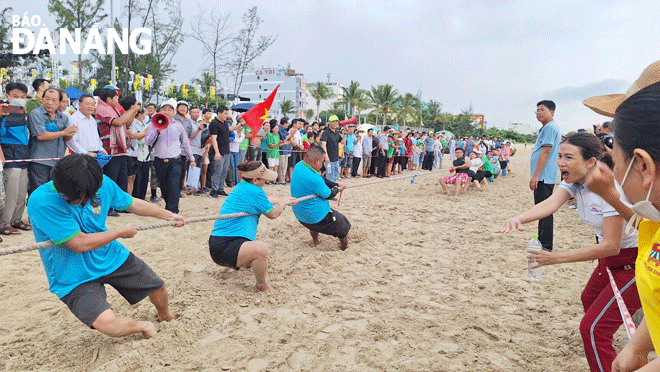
column 647, row 274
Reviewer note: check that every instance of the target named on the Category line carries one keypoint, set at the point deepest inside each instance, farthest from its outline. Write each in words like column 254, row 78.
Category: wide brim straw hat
column 607, row 104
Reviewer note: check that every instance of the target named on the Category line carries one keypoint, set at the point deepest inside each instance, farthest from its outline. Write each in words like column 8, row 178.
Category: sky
column 499, row 57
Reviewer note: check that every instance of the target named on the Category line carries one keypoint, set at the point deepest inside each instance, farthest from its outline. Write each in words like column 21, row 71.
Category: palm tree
column 408, row 107
column 352, row 95
column 309, row 114
column 362, row 105
column 205, row 84
column 319, row 92
column 286, row 107
column 383, row 98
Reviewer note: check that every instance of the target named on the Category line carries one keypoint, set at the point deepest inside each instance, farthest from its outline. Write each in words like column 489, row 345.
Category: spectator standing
column 39, row 86
column 544, row 167
column 367, row 149
column 330, row 144
column 49, row 131
column 14, row 146
column 219, row 131
column 167, row 145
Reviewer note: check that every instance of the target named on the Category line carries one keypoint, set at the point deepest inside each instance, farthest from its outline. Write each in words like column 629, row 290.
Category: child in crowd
column 273, row 142
column 390, row 154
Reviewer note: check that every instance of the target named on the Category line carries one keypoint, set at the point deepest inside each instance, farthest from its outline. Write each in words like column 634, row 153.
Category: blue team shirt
column 246, row 197
column 305, row 181
column 548, row 136
column 56, row 220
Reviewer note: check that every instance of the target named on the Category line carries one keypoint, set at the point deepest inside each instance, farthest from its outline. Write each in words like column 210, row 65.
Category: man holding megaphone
column 166, row 139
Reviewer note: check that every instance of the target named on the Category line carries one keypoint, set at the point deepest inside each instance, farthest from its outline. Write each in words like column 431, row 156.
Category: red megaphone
column 160, row 122
column 346, row 122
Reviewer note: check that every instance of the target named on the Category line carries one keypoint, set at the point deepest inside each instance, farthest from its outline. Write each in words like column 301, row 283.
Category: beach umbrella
column 243, row 107
column 447, row 134
column 366, row 127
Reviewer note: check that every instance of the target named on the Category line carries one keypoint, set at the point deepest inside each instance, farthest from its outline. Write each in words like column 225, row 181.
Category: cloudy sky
column 501, row 57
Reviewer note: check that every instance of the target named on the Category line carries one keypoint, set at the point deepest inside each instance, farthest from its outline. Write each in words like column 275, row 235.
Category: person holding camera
column 14, row 146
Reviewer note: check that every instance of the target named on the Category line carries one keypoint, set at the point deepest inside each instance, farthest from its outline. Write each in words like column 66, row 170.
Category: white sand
column 412, row 293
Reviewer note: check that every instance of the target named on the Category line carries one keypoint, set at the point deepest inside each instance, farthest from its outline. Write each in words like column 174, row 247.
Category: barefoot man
column 315, row 214
column 71, row 211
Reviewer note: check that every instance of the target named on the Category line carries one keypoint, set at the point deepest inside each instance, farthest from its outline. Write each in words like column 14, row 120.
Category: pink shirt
column 505, row 152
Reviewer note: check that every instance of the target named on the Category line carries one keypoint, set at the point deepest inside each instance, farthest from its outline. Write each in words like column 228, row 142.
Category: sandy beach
column 435, row 291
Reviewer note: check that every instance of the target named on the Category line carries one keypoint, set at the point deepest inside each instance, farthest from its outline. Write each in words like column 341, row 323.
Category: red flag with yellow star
column 255, row 116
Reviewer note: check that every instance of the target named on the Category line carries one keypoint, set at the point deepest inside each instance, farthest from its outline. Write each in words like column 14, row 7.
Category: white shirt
column 236, row 143
column 357, row 149
column 593, row 210
column 476, row 164
column 87, row 138
column 297, row 138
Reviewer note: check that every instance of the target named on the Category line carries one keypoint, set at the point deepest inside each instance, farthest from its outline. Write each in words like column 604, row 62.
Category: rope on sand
column 40, row 245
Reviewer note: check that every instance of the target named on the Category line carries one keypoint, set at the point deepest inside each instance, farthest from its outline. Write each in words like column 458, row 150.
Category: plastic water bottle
column 534, row 274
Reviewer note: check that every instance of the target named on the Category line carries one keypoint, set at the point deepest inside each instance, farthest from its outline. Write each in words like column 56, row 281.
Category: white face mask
column 642, row 209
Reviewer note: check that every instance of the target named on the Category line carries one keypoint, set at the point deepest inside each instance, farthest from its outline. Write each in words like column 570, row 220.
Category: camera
column 608, row 141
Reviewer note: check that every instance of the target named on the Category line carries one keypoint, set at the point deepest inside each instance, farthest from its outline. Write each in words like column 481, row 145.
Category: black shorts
column 134, row 280
column 333, row 224
column 132, row 165
column 224, row 249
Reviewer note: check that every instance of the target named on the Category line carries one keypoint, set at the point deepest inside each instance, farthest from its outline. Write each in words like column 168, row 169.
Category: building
column 258, row 84
column 522, row 128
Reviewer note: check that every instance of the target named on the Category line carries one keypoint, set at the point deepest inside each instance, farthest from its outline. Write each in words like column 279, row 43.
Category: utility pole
column 113, row 78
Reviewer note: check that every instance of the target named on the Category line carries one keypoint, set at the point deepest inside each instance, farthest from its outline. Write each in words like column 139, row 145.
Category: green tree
column 246, row 46
column 74, row 14
column 352, row 96
column 408, row 107
column 383, row 98
column 462, row 125
column 286, row 107
column 309, row 114
column 212, row 31
column 205, row 84
column 4, row 28
column 319, row 92
column 164, row 18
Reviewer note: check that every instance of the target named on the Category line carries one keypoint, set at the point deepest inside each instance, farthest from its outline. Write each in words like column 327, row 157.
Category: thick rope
column 40, row 245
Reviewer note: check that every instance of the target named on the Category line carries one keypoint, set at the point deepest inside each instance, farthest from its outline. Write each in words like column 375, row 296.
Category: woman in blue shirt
column 232, row 243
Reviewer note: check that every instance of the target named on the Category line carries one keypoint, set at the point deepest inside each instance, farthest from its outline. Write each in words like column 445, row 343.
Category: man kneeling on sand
column 71, row 211
column 316, row 214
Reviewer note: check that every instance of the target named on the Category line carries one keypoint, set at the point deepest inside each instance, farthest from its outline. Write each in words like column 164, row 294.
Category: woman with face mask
column 578, row 157
column 634, row 190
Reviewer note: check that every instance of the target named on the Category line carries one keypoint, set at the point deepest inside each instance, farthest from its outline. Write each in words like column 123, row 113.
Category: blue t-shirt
column 286, row 149
column 17, row 135
column 469, row 147
column 548, row 136
column 350, row 141
column 56, row 220
column 305, row 181
column 246, row 197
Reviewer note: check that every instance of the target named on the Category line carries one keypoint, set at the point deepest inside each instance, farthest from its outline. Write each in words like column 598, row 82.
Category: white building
column 258, row 84
column 326, row 104
column 522, row 128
